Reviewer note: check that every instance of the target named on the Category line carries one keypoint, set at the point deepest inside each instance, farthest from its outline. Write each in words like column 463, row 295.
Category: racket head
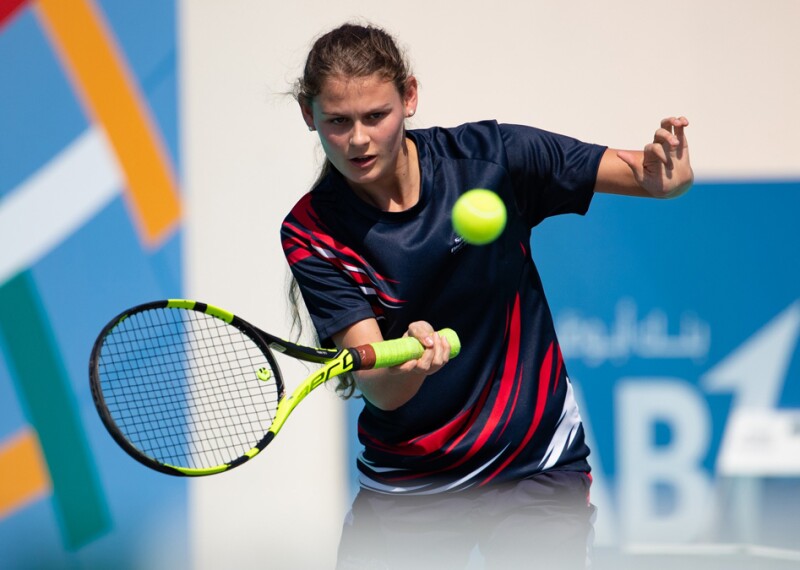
column 185, row 388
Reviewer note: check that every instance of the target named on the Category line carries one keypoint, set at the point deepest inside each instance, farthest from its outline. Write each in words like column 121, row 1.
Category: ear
column 410, row 96
column 308, row 115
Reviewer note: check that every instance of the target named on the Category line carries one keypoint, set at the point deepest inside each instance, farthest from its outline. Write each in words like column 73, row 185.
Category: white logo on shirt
column 458, row 243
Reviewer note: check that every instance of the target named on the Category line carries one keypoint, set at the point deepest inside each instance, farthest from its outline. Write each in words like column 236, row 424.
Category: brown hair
column 349, row 51
column 352, row 50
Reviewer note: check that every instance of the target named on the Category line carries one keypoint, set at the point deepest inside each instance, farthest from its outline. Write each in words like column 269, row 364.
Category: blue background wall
column 650, row 299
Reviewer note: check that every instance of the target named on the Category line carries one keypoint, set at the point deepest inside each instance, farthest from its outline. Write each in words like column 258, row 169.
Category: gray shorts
column 545, row 521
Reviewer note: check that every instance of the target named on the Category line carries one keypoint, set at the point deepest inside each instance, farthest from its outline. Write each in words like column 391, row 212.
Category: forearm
column 387, row 388
column 614, row 176
column 390, row 388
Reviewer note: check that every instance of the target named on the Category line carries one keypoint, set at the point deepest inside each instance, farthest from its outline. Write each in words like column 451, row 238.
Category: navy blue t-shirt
column 503, row 409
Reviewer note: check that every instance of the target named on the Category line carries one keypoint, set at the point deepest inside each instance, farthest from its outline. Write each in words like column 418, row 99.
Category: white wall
column 605, row 72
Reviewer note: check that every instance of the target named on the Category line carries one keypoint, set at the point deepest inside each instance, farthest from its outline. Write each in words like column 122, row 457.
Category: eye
column 337, row 120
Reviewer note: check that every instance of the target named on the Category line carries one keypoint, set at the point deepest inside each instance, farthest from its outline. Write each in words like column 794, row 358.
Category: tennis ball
column 479, row 216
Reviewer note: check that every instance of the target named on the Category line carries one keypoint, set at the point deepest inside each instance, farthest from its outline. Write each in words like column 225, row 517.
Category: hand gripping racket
column 190, row 389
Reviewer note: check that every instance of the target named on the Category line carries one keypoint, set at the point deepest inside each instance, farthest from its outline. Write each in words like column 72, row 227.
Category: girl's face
column 360, row 124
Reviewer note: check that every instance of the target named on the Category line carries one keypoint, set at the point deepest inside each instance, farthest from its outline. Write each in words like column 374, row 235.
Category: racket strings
column 182, row 387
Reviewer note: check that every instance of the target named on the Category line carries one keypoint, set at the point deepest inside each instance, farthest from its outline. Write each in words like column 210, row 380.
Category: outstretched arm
column 661, row 170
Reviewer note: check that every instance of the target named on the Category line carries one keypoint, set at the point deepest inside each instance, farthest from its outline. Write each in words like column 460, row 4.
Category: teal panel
column 43, row 387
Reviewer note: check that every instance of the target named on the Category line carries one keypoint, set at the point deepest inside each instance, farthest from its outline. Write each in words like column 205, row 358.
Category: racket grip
column 389, row 353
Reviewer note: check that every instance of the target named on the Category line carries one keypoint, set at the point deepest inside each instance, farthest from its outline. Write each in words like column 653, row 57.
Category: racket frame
column 253, row 333
column 335, row 363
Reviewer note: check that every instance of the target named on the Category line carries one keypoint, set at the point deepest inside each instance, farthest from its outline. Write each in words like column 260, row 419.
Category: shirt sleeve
column 552, row 174
column 334, row 300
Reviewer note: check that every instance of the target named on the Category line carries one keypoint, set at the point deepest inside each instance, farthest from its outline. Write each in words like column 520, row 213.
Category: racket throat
column 344, row 362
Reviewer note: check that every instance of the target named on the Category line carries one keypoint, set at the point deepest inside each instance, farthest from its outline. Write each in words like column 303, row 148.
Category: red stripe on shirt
column 545, row 372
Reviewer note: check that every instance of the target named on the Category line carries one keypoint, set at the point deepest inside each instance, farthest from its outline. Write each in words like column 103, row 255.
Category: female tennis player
column 486, row 451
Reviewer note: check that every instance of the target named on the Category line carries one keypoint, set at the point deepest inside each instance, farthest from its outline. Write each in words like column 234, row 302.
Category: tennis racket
column 190, row 389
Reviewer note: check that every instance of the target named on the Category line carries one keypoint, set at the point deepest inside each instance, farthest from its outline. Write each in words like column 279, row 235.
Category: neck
column 400, row 192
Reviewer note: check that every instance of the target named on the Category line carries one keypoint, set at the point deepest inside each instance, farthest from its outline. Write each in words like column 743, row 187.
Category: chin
column 365, row 177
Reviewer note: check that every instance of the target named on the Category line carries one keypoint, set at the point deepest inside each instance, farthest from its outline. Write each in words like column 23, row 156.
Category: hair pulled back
column 352, row 51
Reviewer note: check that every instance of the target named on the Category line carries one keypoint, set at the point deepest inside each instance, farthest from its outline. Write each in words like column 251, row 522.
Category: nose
column 359, row 135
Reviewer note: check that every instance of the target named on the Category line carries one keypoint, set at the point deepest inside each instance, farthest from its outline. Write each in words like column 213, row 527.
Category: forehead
column 345, row 92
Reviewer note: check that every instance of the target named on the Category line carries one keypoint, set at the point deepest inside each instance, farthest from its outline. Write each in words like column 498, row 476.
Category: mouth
column 363, row 161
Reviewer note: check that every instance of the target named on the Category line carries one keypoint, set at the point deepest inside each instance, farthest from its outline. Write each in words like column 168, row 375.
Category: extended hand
column 664, row 170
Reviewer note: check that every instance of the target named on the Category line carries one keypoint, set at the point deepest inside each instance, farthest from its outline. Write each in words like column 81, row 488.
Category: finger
column 423, row 332
column 445, row 350
column 668, row 123
column 428, row 359
column 674, row 122
column 440, row 354
column 658, row 151
column 409, row 366
column 441, row 350
column 682, row 121
column 676, row 126
column 680, row 134
column 665, row 136
column 419, row 365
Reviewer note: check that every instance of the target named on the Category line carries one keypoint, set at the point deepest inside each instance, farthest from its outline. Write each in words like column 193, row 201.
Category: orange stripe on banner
column 23, row 473
column 100, row 75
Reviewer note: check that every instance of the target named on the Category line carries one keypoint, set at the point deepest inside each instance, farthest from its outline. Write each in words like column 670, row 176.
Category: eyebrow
column 335, row 113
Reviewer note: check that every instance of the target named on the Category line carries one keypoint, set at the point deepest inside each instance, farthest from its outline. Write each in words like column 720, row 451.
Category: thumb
column 629, row 158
